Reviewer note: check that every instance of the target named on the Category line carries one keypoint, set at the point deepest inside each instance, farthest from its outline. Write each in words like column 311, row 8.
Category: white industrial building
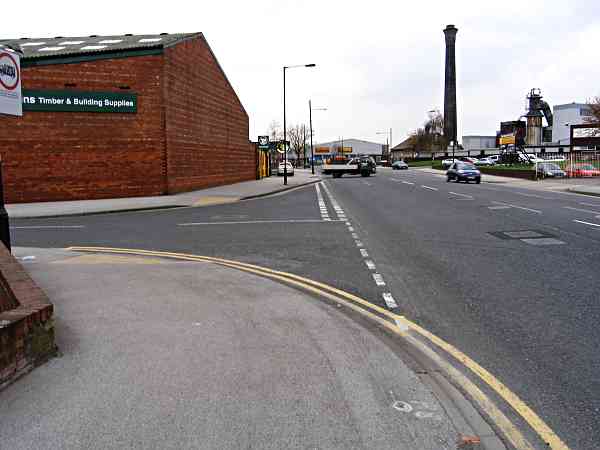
column 352, row 148
column 564, row 116
column 478, row 142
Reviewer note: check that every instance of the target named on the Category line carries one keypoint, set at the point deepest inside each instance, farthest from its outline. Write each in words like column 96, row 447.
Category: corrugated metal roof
column 85, row 45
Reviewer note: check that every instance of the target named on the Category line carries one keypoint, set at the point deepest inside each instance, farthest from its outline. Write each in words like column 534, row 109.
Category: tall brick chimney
column 450, row 84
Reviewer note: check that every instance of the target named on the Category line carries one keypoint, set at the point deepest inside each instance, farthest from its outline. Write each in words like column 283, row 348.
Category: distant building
column 405, row 149
column 478, row 142
column 566, row 115
column 352, row 147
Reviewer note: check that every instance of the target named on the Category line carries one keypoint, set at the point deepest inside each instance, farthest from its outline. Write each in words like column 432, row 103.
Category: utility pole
column 312, row 156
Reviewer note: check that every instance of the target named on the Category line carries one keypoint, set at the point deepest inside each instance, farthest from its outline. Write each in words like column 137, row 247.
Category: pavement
column 211, row 196
column 166, row 354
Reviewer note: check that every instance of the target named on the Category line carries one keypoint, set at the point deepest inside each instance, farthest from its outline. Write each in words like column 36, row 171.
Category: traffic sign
column 263, row 142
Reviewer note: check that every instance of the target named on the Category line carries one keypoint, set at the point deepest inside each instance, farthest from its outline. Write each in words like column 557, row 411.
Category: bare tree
column 594, row 107
column 296, row 136
column 430, row 136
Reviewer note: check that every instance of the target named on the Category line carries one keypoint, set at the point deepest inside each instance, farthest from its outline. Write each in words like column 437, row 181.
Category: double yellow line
column 403, row 327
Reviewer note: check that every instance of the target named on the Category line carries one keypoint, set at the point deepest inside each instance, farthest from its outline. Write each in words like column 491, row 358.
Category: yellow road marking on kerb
column 512, row 433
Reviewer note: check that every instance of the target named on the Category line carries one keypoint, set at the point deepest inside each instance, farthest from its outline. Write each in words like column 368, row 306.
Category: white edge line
column 32, row 227
column 256, row 222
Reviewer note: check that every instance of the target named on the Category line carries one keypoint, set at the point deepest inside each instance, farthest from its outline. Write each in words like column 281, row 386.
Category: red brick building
column 121, row 116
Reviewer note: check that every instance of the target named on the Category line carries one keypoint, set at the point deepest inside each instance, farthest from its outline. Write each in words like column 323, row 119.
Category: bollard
column 4, row 226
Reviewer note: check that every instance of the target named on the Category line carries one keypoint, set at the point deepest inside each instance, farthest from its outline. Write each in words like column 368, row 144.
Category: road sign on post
column 263, row 142
column 11, row 102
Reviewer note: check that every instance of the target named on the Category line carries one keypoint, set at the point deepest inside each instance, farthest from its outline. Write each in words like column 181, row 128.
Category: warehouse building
column 122, row 116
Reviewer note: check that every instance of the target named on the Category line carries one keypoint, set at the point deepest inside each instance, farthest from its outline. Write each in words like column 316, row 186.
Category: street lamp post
column 284, row 124
column 312, row 156
column 388, row 141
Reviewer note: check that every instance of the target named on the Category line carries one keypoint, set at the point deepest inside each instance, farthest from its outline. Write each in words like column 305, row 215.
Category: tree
column 296, row 135
column 594, row 106
column 430, row 137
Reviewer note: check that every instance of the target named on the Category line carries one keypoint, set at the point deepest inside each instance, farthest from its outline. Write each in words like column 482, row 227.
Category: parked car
column 549, row 170
column 446, row 163
column 494, row 158
column 468, row 159
column 399, row 165
column 485, row 162
column 281, row 169
column 462, row 171
column 582, row 170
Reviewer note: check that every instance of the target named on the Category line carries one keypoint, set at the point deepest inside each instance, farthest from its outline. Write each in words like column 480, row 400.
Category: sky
column 379, row 64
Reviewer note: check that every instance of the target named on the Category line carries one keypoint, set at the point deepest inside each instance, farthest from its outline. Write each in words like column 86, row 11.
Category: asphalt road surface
column 507, row 275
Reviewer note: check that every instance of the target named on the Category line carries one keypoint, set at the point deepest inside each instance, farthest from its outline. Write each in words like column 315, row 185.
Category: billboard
column 322, row 150
column 10, row 83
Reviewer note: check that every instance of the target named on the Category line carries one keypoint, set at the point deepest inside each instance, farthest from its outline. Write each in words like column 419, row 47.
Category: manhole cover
column 543, row 241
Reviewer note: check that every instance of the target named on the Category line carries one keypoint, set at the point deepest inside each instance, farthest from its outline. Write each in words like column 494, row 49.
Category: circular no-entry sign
column 9, row 71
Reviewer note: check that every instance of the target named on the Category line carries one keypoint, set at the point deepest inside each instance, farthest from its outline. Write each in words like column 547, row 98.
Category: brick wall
column 206, row 124
column 190, row 131
column 65, row 155
column 26, row 328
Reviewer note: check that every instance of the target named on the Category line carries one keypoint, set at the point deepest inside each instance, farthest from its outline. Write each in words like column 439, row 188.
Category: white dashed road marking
column 470, row 197
column 429, row 187
column 389, row 300
column 588, row 223
column 370, row 264
column 408, row 182
column 364, row 253
column 378, row 279
column 354, row 236
column 322, row 205
column 359, row 244
column 518, row 207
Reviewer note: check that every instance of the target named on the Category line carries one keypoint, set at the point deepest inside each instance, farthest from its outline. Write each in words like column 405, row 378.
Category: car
column 468, row 159
column 399, row 165
column 550, row 170
column 582, row 170
column 446, row 163
column 281, row 169
column 485, row 162
column 494, row 158
column 462, row 171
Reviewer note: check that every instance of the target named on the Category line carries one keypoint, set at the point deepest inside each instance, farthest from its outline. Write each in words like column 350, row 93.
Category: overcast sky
column 380, row 64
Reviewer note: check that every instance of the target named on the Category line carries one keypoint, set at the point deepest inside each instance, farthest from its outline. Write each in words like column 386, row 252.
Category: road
column 507, row 275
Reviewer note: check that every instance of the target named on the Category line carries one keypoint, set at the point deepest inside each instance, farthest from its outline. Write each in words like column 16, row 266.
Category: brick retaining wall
column 26, row 324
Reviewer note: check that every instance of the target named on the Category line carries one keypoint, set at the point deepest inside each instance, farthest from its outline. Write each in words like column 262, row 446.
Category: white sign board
column 10, row 83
